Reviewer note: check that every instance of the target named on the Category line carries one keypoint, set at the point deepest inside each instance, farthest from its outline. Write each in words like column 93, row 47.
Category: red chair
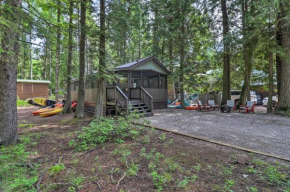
column 212, row 105
column 248, row 108
column 202, row 107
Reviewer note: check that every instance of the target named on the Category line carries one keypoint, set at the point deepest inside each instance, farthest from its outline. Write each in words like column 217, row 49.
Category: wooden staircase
column 118, row 103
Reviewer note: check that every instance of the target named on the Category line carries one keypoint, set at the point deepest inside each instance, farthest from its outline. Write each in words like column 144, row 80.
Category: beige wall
column 90, row 95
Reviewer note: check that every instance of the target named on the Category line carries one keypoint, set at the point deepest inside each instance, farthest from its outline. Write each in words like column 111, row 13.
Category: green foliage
column 75, row 183
column 25, row 125
column 21, row 103
column 15, row 174
column 162, row 137
column 132, row 169
column 56, row 169
column 275, row 176
column 229, row 184
column 158, row 180
column 105, row 129
column 252, row 189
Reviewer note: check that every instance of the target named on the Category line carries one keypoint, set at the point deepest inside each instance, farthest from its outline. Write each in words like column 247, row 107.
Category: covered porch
column 142, row 84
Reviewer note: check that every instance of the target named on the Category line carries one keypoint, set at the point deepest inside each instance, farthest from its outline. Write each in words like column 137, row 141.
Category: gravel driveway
column 262, row 132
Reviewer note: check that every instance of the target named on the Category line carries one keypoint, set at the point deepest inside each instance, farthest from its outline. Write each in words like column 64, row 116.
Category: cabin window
column 27, row 88
column 123, row 83
column 136, row 82
column 153, row 82
column 162, row 82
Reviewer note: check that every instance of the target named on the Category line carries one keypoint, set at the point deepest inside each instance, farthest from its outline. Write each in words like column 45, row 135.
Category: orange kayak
column 41, row 111
column 52, row 112
column 192, row 107
column 37, row 112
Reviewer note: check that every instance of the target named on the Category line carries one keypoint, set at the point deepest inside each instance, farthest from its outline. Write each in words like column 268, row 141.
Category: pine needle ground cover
column 73, row 155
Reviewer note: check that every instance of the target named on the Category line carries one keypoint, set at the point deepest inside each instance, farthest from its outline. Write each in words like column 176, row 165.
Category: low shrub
column 105, row 129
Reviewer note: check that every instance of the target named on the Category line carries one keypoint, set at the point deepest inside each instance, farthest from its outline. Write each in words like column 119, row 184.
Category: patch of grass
column 285, row 113
column 251, row 169
column 16, row 174
column 21, row 103
column 25, row 125
column 275, row 176
column 260, row 162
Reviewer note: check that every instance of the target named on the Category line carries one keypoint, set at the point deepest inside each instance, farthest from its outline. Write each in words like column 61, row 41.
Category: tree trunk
column 102, row 62
column 155, row 32
column 170, row 47
column 8, row 71
column 30, row 58
column 284, row 89
column 67, row 107
column 248, row 58
column 226, row 56
column 46, row 55
column 278, row 58
column 181, row 39
column 57, row 54
column 249, row 44
column 269, row 105
column 82, row 65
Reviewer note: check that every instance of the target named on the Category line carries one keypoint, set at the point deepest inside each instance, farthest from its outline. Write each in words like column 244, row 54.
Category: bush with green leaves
column 105, row 129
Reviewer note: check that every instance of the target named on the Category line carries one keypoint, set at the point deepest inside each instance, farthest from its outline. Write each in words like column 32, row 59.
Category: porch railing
column 115, row 94
column 142, row 94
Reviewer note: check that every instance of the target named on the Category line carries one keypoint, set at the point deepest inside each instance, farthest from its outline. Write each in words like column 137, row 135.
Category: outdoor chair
column 202, row 107
column 212, row 105
column 231, row 103
column 250, row 106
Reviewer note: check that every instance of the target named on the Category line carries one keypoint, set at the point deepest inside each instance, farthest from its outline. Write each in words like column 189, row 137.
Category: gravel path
column 262, row 132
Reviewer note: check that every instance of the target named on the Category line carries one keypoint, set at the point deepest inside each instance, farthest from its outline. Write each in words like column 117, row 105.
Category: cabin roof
column 136, row 63
column 33, row 81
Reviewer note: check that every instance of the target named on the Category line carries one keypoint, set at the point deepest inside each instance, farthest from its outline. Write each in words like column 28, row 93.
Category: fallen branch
column 40, row 178
column 120, row 180
column 98, row 185
column 113, row 181
column 86, row 152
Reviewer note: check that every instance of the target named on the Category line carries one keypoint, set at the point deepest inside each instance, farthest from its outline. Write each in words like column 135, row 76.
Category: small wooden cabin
column 141, row 86
column 27, row 88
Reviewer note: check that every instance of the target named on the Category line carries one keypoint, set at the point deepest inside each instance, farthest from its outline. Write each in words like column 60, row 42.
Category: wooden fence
column 205, row 97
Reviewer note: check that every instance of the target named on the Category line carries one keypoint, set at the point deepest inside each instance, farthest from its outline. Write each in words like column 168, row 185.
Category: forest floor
column 152, row 161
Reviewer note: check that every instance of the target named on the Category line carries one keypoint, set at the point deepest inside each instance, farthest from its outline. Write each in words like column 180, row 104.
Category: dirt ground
column 182, row 164
column 262, row 132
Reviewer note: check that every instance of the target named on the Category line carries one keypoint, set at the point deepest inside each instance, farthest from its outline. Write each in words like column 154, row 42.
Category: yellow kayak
column 52, row 112
column 40, row 101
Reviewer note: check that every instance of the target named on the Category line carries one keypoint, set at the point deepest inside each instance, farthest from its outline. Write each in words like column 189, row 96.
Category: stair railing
column 115, row 94
column 146, row 98
column 143, row 95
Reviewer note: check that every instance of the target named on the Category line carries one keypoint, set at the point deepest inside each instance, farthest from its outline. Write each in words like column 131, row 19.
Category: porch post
column 165, row 81
column 129, row 84
column 141, row 78
column 158, row 80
